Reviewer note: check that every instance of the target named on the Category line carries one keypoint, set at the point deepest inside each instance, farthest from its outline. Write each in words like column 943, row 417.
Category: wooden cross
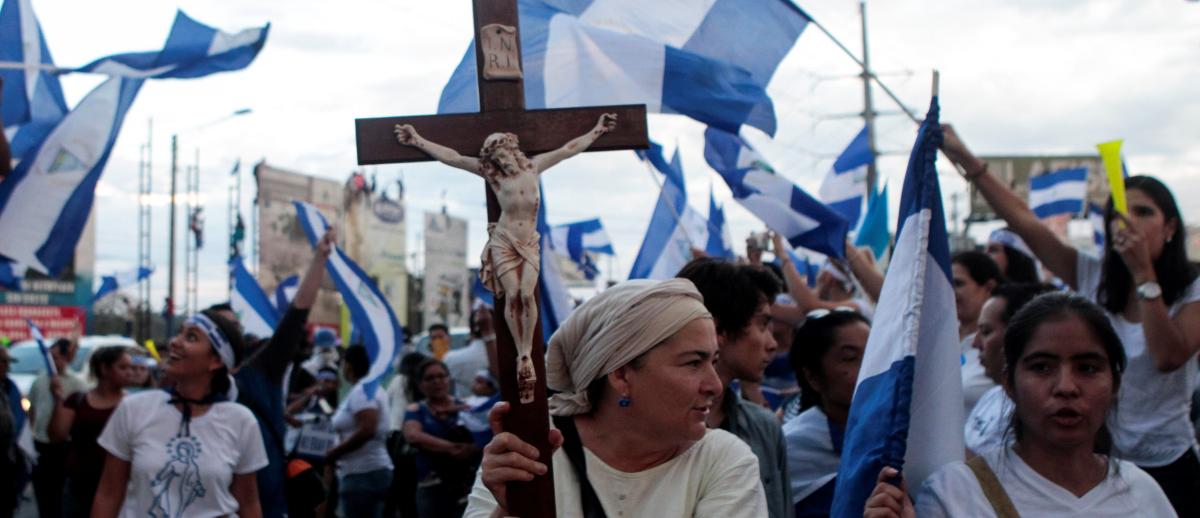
column 502, row 109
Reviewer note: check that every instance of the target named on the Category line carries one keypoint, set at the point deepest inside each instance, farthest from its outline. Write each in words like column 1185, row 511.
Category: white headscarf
column 611, row 330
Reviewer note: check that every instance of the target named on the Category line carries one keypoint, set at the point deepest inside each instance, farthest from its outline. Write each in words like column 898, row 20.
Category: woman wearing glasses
column 826, row 357
column 446, row 452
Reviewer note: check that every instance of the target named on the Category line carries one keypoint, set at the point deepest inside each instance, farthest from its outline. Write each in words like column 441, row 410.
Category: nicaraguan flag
column 907, row 406
column 111, row 283
column 373, row 318
column 36, row 333
column 710, row 60
column 285, row 291
column 675, row 228
column 778, row 202
column 556, row 300
column 719, row 243
column 11, row 274
column 254, row 309
column 874, row 230
column 482, row 295
column 192, row 50
column 845, row 184
column 46, row 201
column 809, row 269
column 580, row 239
column 32, row 97
column 1058, row 192
column 1096, row 216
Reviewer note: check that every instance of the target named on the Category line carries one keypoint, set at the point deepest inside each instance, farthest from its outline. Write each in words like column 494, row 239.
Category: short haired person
column 189, row 450
column 739, row 298
column 1151, row 293
column 974, row 276
column 439, row 340
column 635, row 372
column 1063, row 363
column 48, row 474
column 364, row 468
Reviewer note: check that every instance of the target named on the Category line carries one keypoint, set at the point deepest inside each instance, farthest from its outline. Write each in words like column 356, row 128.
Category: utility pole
column 170, row 306
column 145, row 217
column 868, row 104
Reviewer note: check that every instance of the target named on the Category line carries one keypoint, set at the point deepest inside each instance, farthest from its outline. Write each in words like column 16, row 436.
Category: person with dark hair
column 826, row 356
column 1012, row 256
column 974, row 276
column 1063, row 364
column 1152, row 296
column 984, row 429
column 48, row 473
column 12, row 419
column 189, row 450
column 79, row 417
column 466, row 361
column 364, row 468
column 439, row 340
column 446, row 452
column 739, row 298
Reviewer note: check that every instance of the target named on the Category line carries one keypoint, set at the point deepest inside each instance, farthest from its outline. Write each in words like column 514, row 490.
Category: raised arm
column 1058, row 257
column 544, row 161
column 862, row 265
column 408, row 136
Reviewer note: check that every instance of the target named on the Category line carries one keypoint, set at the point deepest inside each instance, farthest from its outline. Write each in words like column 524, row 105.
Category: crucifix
column 493, row 144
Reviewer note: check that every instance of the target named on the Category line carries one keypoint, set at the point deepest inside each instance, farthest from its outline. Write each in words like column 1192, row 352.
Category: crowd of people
column 725, row 391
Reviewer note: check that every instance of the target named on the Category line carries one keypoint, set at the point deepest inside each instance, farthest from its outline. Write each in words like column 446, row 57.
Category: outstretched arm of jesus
column 544, row 161
column 407, row 135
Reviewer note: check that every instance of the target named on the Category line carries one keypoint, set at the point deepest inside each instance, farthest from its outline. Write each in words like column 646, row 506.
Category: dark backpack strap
column 573, row 447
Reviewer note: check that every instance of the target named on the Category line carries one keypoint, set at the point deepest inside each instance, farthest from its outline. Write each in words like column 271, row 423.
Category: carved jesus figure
column 511, row 259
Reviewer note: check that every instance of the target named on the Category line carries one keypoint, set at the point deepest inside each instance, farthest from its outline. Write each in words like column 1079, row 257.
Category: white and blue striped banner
column 675, row 228
column 33, row 98
column 708, row 60
column 122, row 280
column 580, row 239
column 719, row 244
column 254, row 309
column 907, row 407
column 1058, row 192
column 373, row 318
column 845, row 184
column 285, row 291
column 778, row 202
column 556, row 300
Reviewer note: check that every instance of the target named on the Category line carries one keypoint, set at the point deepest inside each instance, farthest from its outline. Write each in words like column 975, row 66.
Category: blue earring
column 624, row 402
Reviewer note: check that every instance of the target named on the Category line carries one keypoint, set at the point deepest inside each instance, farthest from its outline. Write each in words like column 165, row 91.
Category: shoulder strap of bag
column 992, row 489
column 573, row 447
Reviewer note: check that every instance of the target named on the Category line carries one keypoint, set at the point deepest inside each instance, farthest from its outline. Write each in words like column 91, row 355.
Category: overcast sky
column 1018, row 77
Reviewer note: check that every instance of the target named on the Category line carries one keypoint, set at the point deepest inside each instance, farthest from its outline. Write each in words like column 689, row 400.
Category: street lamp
column 170, row 303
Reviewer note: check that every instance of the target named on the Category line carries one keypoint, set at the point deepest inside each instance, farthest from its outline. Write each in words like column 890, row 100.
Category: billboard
column 447, row 280
column 1015, row 172
column 374, row 237
column 52, row 320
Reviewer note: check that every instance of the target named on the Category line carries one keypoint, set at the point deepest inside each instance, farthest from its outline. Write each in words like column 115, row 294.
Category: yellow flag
column 153, row 350
column 1110, row 153
column 345, row 324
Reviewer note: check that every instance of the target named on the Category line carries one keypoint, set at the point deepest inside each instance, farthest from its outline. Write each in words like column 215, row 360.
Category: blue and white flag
column 36, row 333
column 369, row 310
column 874, row 230
column 254, row 309
column 675, row 228
column 719, row 243
column 118, row 281
column 1096, row 216
column 11, row 274
column 556, row 300
column 192, row 50
column 810, row 269
column 580, row 239
column 778, row 202
column 46, row 201
column 907, row 408
column 32, row 97
column 845, row 184
column 482, row 294
column 285, row 291
column 1058, row 192
column 710, row 61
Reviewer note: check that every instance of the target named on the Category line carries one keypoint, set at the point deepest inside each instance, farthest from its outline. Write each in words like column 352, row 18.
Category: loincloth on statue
column 504, row 253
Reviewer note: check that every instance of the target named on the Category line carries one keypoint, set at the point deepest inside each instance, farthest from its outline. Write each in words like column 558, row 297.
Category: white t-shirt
column 1150, row 425
column 397, row 402
column 975, row 380
column 986, row 425
column 373, row 455
column 812, row 462
column 173, row 475
column 1127, row 491
column 717, row 476
column 463, row 364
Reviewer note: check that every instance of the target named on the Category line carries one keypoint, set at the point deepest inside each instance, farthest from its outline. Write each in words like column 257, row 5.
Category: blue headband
column 220, row 343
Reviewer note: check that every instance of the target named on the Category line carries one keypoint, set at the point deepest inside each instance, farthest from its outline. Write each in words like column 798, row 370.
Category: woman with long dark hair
column 446, row 452
column 1152, row 296
column 364, row 468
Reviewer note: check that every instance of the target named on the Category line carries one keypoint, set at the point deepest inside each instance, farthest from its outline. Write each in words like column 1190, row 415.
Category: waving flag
column 578, row 240
column 719, row 243
column 1096, row 216
column 874, row 230
column 285, row 291
column 373, row 318
column 1058, row 192
column 192, row 50
column 556, row 300
column 809, row 269
column 33, row 98
column 111, row 283
column 845, row 184
column 36, row 333
column 710, row 61
column 11, row 274
column 778, row 202
column 254, row 310
column 481, row 294
column 907, row 406
column 675, row 228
